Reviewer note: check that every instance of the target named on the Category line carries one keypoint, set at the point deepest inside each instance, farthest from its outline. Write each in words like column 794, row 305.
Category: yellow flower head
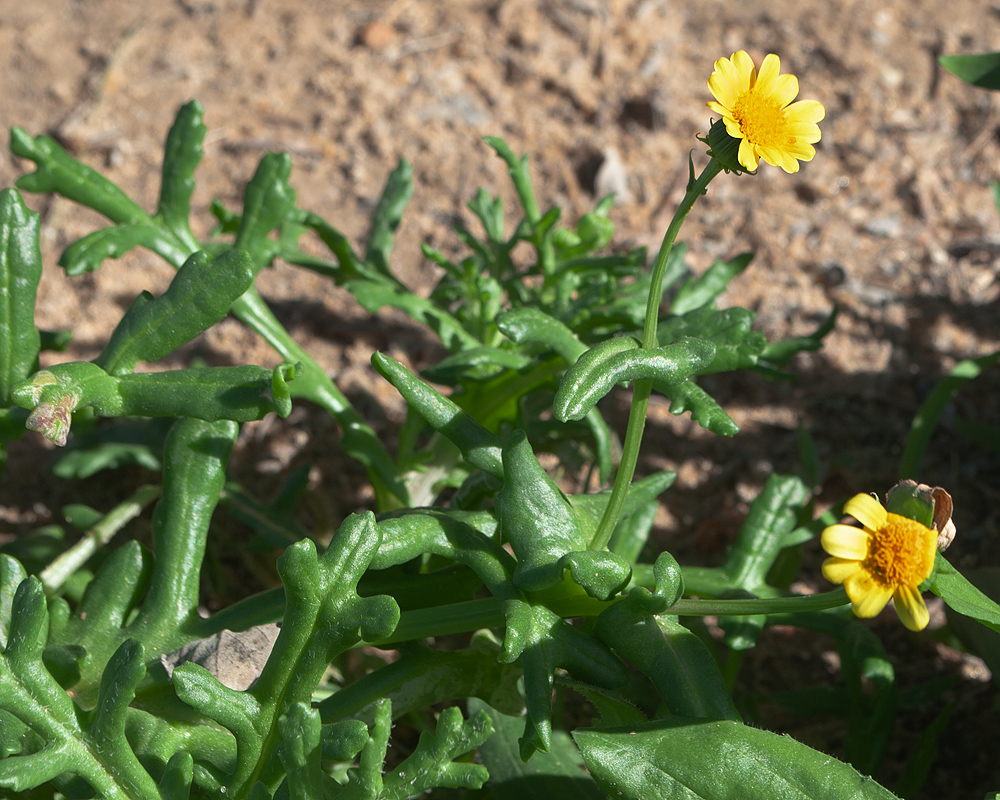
column 890, row 557
column 755, row 108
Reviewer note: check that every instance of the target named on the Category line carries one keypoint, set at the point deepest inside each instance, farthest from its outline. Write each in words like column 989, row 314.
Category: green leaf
column 198, row 297
column 240, row 394
column 89, row 252
column 687, row 395
column 267, row 202
column 176, row 781
column 181, row 155
column 981, row 70
column 386, row 218
column 323, row 617
column 20, row 271
column 479, row 447
column 773, row 515
column 122, row 443
column 423, row 677
column 736, row 346
column 696, row 759
column 476, row 363
column 617, row 360
column 373, row 295
column 681, row 668
column 556, row 774
column 58, row 172
column 530, row 325
column 300, row 751
column 781, row 352
column 435, row 762
column 698, row 292
column 535, row 517
column 960, row 595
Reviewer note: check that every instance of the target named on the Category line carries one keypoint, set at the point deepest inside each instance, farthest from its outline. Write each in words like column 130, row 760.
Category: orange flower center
column 898, row 554
column 761, row 120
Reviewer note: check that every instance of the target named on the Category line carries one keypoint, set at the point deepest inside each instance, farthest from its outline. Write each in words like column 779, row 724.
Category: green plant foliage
column 479, row 579
column 981, row 70
column 673, row 758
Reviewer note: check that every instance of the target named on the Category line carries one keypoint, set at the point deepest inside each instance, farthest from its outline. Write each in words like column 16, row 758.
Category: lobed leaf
column 387, row 216
column 199, row 296
column 616, row 360
column 181, row 156
column 268, row 201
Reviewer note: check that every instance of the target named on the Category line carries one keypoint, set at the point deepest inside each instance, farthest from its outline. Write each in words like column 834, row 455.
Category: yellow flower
column 890, row 557
column 756, row 110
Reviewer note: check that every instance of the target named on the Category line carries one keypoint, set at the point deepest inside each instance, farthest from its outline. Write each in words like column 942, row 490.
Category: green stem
column 642, row 389
column 473, row 615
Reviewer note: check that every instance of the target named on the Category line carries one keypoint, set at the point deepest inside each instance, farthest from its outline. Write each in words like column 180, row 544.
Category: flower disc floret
column 887, row 558
column 758, row 110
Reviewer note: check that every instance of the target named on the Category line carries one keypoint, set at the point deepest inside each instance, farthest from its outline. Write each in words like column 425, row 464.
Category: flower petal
column 801, row 151
column 733, row 127
column 911, row 608
column 805, row 111
column 768, row 75
column 866, row 510
column 784, row 90
column 744, row 67
column 838, row 570
column 845, row 541
column 867, row 597
column 747, row 155
column 726, row 82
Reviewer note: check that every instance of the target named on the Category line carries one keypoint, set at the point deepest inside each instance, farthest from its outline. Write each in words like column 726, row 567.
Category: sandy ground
column 893, row 220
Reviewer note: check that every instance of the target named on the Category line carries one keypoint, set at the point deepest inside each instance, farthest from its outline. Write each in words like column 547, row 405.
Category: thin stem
column 56, row 573
column 642, row 389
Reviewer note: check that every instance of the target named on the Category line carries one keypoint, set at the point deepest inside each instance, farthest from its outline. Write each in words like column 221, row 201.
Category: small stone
column 377, row 35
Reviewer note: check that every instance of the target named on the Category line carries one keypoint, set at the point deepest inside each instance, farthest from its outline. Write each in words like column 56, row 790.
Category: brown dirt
column 893, row 219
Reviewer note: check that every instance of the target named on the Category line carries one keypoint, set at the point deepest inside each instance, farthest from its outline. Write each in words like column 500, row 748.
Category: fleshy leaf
column 20, row 271
column 198, row 297
column 593, row 376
